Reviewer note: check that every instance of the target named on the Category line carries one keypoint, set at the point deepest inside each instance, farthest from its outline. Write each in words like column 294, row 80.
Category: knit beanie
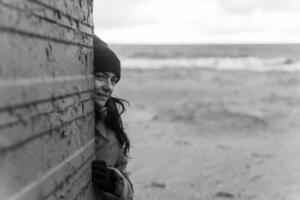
column 104, row 58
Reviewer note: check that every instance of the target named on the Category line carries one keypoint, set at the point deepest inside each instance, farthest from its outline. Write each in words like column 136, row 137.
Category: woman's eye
column 114, row 81
column 100, row 77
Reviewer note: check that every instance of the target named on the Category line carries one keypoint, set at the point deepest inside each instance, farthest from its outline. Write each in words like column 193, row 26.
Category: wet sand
column 206, row 134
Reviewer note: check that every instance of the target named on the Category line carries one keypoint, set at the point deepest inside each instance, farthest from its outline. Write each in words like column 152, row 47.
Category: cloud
column 119, row 13
column 248, row 6
column 178, row 11
column 178, row 21
column 189, row 34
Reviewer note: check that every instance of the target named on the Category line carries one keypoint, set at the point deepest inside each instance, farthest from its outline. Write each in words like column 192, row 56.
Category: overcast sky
column 198, row 21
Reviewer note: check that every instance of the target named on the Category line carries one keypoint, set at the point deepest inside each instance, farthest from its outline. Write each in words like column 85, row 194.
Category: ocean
column 230, row 130
column 252, row 57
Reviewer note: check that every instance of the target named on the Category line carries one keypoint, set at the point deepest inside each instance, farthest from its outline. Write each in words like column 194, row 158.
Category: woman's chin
column 100, row 104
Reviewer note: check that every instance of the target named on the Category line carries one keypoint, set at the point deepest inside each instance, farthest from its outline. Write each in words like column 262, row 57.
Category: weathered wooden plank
column 62, row 137
column 38, row 15
column 16, row 20
column 59, row 10
column 86, row 192
column 47, row 183
column 26, row 22
column 10, row 117
column 36, row 159
column 23, row 57
column 20, row 92
column 79, row 9
column 27, row 130
column 79, row 185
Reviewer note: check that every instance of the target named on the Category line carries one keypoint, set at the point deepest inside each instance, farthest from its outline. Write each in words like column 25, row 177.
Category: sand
column 206, row 134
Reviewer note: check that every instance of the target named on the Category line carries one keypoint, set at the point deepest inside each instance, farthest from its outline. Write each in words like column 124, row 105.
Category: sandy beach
column 209, row 134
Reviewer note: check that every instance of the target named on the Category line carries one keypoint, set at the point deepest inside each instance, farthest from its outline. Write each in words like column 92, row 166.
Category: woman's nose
column 108, row 86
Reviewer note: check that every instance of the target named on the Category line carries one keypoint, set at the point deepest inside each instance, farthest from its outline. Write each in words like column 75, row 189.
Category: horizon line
column 212, row 43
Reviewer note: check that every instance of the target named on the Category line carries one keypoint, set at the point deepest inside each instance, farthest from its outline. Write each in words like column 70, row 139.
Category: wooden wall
column 46, row 110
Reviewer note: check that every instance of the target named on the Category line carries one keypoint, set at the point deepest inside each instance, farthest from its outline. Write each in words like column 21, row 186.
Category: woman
column 112, row 144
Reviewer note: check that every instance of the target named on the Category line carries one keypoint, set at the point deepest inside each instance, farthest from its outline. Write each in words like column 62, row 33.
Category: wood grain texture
column 46, row 99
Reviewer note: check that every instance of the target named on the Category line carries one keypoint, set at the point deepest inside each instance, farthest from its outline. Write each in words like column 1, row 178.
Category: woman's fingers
column 99, row 164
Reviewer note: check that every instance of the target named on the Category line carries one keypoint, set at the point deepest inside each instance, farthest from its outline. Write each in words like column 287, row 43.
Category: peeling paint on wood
column 46, row 106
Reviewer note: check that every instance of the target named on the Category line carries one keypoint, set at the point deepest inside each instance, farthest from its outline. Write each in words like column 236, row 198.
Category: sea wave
column 218, row 63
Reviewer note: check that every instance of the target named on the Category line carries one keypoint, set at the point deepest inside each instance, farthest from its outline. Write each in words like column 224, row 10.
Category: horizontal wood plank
column 41, row 22
column 17, row 135
column 19, row 92
column 45, row 185
column 22, row 57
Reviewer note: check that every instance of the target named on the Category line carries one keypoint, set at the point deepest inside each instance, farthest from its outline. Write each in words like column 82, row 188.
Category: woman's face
column 105, row 83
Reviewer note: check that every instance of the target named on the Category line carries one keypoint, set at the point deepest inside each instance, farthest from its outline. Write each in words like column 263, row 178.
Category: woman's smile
column 101, row 95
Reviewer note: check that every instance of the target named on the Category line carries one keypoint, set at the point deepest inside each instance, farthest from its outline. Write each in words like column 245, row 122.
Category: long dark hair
column 115, row 107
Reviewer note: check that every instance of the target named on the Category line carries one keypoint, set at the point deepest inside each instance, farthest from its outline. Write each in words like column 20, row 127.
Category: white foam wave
column 219, row 63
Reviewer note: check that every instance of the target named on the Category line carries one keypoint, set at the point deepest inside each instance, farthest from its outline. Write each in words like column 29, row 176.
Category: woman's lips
column 101, row 95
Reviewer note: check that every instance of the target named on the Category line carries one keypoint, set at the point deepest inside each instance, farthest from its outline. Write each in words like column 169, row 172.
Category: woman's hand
column 103, row 177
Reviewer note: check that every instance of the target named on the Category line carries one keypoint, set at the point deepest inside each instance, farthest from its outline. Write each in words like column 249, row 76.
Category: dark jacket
column 109, row 150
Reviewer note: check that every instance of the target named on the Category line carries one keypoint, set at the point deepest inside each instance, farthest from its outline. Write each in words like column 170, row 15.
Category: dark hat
column 104, row 58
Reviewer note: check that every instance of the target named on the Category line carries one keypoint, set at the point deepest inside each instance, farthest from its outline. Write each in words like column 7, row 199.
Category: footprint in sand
column 156, row 185
column 182, row 142
column 256, row 177
column 259, row 155
column 224, row 195
column 223, row 146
